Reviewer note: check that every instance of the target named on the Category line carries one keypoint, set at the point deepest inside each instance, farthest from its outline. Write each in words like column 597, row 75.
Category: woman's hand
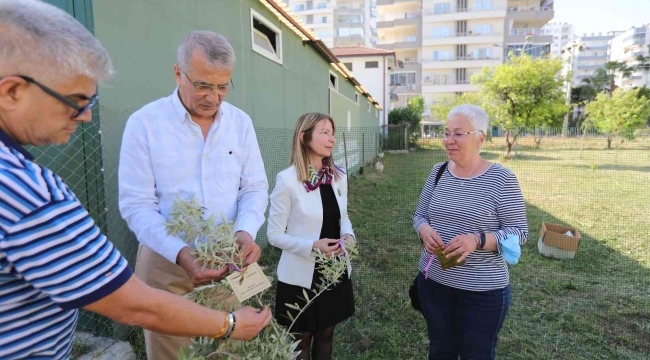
column 431, row 239
column 329, row 247
column 349, row 240
column 462, row 245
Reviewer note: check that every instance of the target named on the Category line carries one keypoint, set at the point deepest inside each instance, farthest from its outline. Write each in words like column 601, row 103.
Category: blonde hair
column 300, row 149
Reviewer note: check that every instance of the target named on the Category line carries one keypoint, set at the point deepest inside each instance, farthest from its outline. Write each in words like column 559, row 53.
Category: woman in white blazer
column 309, row 212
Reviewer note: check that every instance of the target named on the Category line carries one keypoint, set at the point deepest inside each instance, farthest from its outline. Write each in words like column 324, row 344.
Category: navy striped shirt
column 490, row 202
column 53, row 259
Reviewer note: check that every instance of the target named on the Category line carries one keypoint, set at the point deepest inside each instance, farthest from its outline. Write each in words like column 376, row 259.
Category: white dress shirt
column 295, row 222
column 164, row 157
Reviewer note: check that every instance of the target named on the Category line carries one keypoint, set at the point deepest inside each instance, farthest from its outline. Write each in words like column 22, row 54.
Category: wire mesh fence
column 595, row 306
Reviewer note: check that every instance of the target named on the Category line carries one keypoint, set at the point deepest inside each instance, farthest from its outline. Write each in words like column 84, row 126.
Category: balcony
column 405, row 44
column 634, row 41
column 448, row 86
column 463, row 38
column 633, row 55
column 405, row 89
column 405, row 19
column 590, row 66
column 461, row 62
column 591, row 57
column 391, row 2
column 518, row 36
column 312, row 9
column 531, row 16
column 350, row 9
column 407, row 65
column 456, row 14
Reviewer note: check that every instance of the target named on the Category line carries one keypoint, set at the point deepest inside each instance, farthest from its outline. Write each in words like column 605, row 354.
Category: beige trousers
column 157, row 272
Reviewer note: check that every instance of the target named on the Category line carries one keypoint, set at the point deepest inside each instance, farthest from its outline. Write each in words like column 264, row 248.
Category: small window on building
column 368, row 106
column 334, row 81
column 376, row 112
column 267, row 38
column 356, row 98
column 372, row 64
column 348, row 65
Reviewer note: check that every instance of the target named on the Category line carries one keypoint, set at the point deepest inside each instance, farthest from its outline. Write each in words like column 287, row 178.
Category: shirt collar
column 182, row 113
column 4, row 138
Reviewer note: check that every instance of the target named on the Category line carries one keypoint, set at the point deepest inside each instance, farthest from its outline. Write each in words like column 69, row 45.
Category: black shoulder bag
column 413, row 290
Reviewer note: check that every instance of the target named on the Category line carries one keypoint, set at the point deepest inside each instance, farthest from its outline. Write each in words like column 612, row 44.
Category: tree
column 598, row 81
column 404, row 116
column 409, row 115
column 614, row 67
column 644, row 64
column 440, row 110
column 618, row 115
column 522, row 92
column 644, row 91
column 417, row 104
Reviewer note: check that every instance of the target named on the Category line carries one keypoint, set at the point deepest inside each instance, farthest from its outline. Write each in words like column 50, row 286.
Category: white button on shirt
column 164, row 156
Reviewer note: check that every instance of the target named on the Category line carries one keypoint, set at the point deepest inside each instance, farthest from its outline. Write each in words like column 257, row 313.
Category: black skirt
column 332, row 306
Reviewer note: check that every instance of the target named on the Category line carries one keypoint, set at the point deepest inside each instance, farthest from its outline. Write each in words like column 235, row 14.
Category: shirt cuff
column 419, row 224
column 100, row 293
column 170, row 248
column 243, row 225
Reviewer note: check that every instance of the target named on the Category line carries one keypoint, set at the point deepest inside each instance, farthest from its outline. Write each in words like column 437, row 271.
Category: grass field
column 596, row 306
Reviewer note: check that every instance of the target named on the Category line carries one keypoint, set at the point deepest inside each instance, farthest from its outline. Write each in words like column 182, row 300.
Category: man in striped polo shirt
column 53, row 259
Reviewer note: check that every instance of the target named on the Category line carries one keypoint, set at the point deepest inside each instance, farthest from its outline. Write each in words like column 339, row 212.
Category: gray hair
column 474, row 114
column 44, row 42
column 215, row 47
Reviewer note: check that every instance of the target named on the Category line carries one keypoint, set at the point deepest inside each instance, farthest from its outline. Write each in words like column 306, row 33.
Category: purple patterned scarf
column 316, row 179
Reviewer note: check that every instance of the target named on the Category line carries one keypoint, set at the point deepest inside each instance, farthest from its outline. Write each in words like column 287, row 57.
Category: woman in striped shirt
column 468, row 212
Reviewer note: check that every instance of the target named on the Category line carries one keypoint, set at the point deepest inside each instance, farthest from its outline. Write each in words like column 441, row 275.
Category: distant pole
column 363, row 151
column 345, row 152
column 572, row 59
column 406, row 143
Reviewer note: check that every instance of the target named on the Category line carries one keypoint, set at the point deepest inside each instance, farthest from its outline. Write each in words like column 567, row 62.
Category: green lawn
column 596, row 306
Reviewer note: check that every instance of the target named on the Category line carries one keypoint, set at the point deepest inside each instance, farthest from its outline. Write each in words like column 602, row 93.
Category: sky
column 596, row 16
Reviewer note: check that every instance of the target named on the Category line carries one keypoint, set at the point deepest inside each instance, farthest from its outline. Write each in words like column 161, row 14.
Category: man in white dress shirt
column 190, row 144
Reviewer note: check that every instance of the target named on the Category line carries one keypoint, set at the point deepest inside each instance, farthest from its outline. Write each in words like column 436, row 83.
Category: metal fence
column 594, row 306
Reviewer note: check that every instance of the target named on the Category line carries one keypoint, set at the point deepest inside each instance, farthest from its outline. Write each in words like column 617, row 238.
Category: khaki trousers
column 157, row 272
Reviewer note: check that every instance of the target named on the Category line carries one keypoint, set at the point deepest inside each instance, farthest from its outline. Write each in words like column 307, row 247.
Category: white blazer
column 295, row 222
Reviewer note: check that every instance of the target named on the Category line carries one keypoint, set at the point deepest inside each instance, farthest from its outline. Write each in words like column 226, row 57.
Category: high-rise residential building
column 440, row 44
column 592, row 55
column 338, row 22
column 562, row 34
column 626, row 47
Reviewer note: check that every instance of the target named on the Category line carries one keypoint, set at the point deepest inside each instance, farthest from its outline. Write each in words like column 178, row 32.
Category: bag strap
column 441, row 170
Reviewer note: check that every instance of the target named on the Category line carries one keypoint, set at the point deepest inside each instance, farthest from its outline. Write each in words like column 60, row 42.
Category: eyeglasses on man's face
column 205, row 88
column 80, row 109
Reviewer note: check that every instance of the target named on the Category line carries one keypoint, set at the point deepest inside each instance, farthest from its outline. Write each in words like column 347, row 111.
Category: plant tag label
column 253, row 283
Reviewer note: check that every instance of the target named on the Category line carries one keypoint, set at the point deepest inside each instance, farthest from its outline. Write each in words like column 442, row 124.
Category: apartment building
column 562, row 34
column 626, row 47
column 338, row 22
column 440, row 44
column 592, row 56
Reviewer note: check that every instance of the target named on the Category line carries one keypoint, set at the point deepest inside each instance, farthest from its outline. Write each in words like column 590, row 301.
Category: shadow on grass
column 612, row 167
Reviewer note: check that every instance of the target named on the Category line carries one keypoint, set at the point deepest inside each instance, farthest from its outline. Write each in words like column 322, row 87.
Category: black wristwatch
column 482, row 241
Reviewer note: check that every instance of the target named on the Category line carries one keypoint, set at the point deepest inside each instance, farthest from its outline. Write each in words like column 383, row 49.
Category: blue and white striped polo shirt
column 53, row 259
